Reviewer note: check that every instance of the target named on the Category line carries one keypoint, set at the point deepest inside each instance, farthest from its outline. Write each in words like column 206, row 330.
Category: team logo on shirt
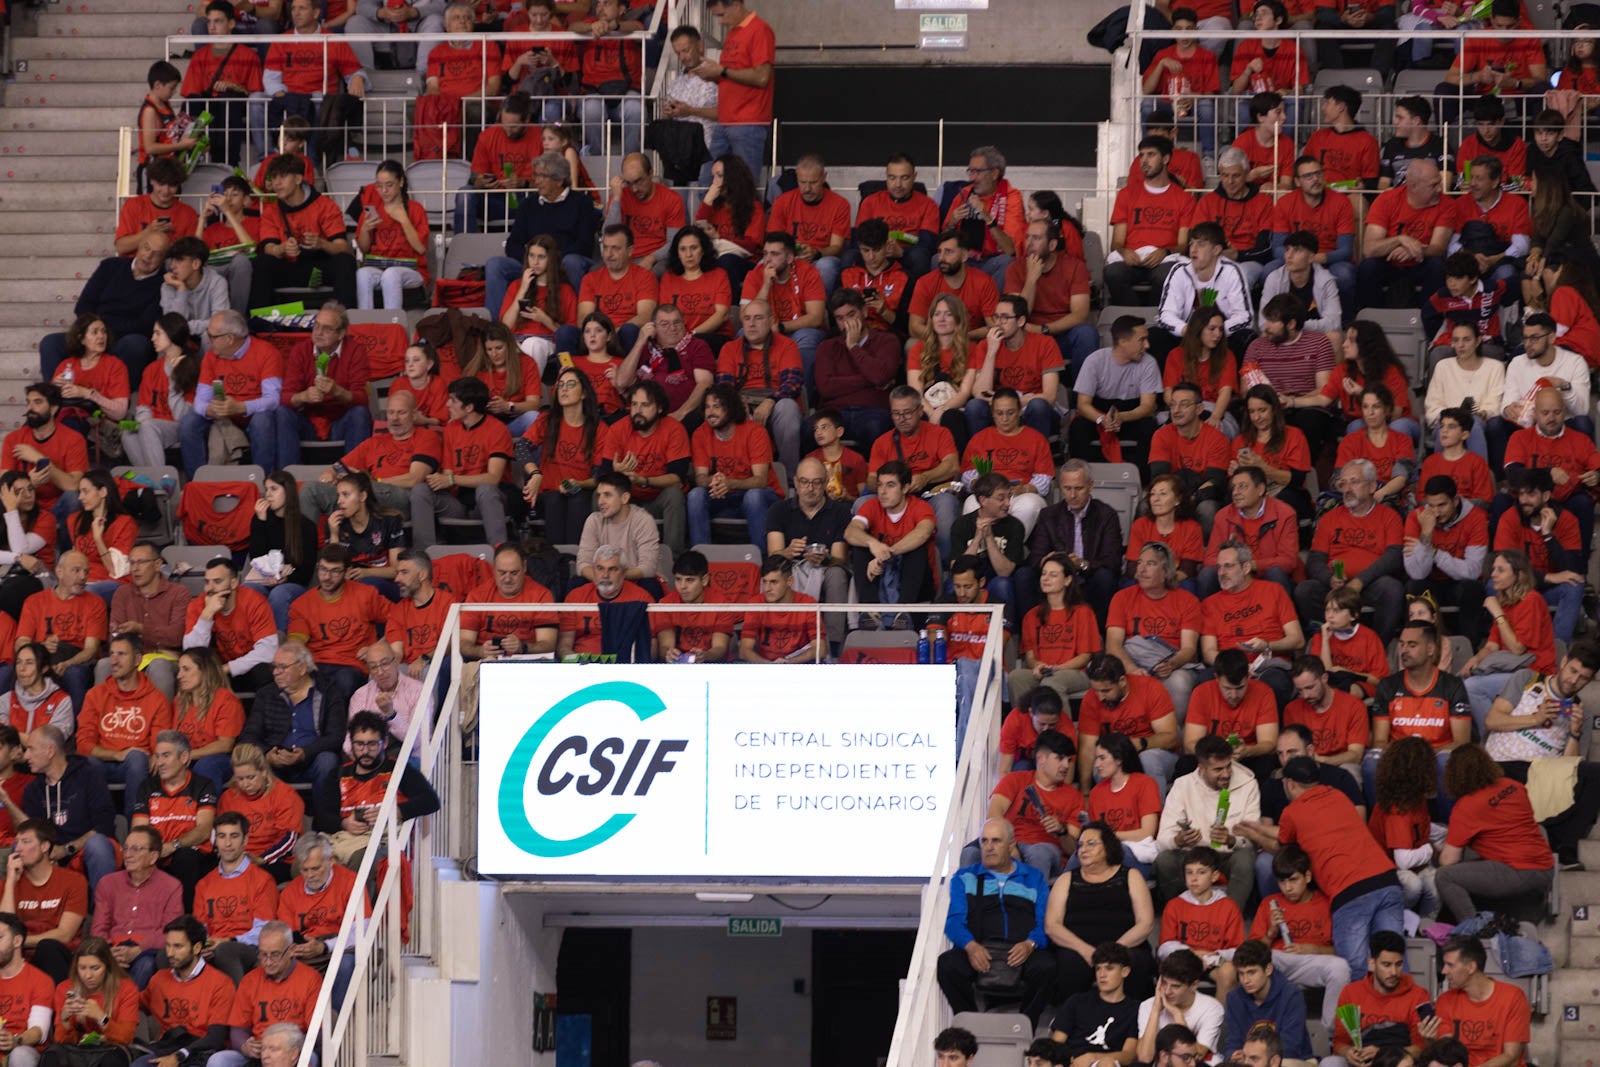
column 610, row 766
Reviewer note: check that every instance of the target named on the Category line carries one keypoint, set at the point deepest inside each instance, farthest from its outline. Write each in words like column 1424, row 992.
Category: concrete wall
column 499, row 954
column 676, row 968
column 1010, row 31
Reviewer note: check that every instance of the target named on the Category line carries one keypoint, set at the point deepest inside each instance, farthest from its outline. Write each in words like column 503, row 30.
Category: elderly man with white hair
column 299, row 720
column 1357, row 544
column 251, row 373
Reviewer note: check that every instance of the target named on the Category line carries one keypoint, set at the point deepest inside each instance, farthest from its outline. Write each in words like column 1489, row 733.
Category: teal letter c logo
column 514, row 820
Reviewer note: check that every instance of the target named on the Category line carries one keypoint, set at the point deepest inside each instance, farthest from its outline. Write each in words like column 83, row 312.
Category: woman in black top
column 1103, row 900
column 373, row 532
column 279, row 525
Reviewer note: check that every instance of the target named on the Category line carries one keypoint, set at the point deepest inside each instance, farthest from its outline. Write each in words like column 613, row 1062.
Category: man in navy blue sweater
column 127, row 294
column 556, row 209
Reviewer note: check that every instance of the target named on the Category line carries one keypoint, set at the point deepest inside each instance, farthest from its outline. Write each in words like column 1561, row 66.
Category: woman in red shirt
column 1368, row 359
column 89, row 378
column 1204, row 359
column 1126, row 799
column 1280, row 450
column 98, row 989
column 1169, row 521
column 102, row 532
column 276, row 813
column 560, row 483
column 166, row 392
column 513, row 378
column 947, row 358
column 541, row 303
column 1407, row 780
column 1043, row 205
column 422, row 379
column 1394, row 454
column 602, row 355
column 1520, row 625
column 734, row 212
column 1058, row 636
column 206, row 711
column 393, row 238
column 696, row 285
column 1494, row 818
column 1572, row 298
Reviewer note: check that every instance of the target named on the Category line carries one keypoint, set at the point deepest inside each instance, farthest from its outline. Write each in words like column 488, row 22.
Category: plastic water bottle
column 940, row 650
column 923, row 648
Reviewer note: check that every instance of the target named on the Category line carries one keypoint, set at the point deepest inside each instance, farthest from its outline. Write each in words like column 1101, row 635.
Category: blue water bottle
column 939, row 648
column 922, row 646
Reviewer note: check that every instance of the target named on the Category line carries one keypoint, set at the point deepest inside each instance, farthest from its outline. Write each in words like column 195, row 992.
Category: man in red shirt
column 501, row 161
column 477, row 454
column 1357, row 544
column 1489, row 65
column 781, row 636
column 1506, row 213
column 1405, row 240
column 1135, row 706
column 732, row 468
column 337, row 620
column 324, row 392
column 219, row 78
column 624, row 291
column 1041, row 805
column 876, row 276
column 302, row 232
column 1491, row 1018
column 989, row 214
column 888, row 540
column 157, row 212
column 394, row 461
column 816, row 217
column 975, row 288
column 250, row 373
column 652, row 213
column 1569, row 456
column 1386, row 997
column 1327, row 215
column 1149, row 226
column 53, row 456
column 1185, row 77
column 744, row 78
column 1547, row 534
column 416, row 623
column 235, row 622
column 1193, row 450
column 1336, row 720
column 929, row 450
column 911, row 216
column 1028, row 360
column 651, row 448
column 581, row 634
column 793, row 289
column 491, row 634
column 1054, row 288
column 1244, row 212
column 1251, row 614
column 1446, row 542
column 768, row 372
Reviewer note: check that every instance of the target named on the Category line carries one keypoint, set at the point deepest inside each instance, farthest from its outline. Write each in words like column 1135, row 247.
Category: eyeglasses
column 353, row 744
column 813, row 482
column 142, row 562
column 1535, row 335
column 1004, row 318
column 282, row 667
column 264, row 954
column 973, row 172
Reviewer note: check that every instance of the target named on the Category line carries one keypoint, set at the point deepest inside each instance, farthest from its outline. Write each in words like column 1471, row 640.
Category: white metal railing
column 368, row 1023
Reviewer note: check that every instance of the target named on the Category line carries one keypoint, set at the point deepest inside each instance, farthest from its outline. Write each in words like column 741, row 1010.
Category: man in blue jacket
column 1264, row 997
column 997, row 919
column 555, row 208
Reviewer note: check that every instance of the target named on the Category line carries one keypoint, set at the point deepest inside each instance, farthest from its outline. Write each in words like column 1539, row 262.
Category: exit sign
column 943, row 23
column 755, row 927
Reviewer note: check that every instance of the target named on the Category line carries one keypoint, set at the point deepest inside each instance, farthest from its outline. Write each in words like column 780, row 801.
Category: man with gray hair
column 280, row 990
column 70, row 794
column 299, row 720
column 314, row 905
column 581, row 633
column 1357, row 544
column 251, row 375
column 550, row 208
column 1256, row 617
column 281, row 1044
column 324, row 387
column 989, row 214
column 180, row 806
column 817, row 217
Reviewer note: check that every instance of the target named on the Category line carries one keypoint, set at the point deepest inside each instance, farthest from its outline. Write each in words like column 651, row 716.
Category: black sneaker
column 1573, row 864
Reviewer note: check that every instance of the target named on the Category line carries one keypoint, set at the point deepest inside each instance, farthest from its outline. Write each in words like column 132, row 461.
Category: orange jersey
column 195, row 1004
column 1137, row 615
column 587, row 625
column 1261, row 609
column 1060, row 635
column 1205, row 928
column 418, row 629
column 523, row 625
column 779, row 634
column 1135, row 715
column 20, row 994
column 276, row 818
column 695, row 630
column 74, row 621
column 224, row 719
column 619, row 298
column 383, row 456
column 236, row 632
column 1486, row 1028
column 139, row 212
column 1470, row 473
column 260, row 1002
column 337, row 630
column 1186, row 541
column 117, row 720
column 231, row 906
column 1358, row 541
column 1324, row 822
column 1209, row 709
column 1019, row 457
column 65, row 448
column 1345, row 723
column 318, row 914
column 1425, row 713
column 1020, row 788
column 468, row 449
column 1383, row 1009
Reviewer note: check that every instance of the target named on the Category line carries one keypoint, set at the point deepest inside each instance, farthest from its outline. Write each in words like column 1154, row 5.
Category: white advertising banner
column 714, row 770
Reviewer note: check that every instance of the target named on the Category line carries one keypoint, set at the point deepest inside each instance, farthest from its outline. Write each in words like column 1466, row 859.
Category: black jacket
column 129, row 306
column 273, row 714
column 1102, row 535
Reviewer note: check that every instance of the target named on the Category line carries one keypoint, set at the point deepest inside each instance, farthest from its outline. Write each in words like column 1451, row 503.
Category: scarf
column 997, row 211
column 673, row 356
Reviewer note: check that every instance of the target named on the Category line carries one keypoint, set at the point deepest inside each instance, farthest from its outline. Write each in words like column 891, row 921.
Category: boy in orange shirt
column 1204, row 919
column 1297, row 924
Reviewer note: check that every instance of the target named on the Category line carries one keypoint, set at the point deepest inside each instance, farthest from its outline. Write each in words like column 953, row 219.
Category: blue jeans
column 218, row 769
column 748, row 142
column 194, row 432
column 1356, row 921
column 343, row 680
column 1369, row 779
column 502, row 271
column 105, row 590
column 353, row 427
column 1075, row 346
column 99, row 858
column 145, row 965
column 1566, row 601
column 280, row 597
column 807, row 340
column 477, row 209
column 325, row 764
column 829, row 267
column 130, row 771
column 751, row 503
column 594, row 112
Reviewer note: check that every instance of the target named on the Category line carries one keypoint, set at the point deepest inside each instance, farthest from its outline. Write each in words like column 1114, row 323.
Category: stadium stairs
column 80, row 75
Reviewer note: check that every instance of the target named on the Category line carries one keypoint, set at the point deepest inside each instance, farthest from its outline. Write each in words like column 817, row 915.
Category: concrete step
column 46, row 290
column 16, row 341
column 59, row 197
column 142, row 7
column 110, row 95
column 38, row 141
column 1580, row 1053
column 52, row 71
column 68, row 117
column 42, row 268
column 44, row 316
column 30, row 222
column 74, row 19
column 1585, row 952
column 59, row 43
column 91, row 247
column 16, row 371
column 54, row 168
column 1581, row 887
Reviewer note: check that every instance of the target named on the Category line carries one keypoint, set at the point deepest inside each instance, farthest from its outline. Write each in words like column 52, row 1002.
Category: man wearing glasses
column 1331, row 219
column 324, row 387
column 991, row 207
column 251, row 376
column 653, row 216
column 279, row 990
column 299, row 720
column 1543, row 357
column 152, row 608
column 346, row 806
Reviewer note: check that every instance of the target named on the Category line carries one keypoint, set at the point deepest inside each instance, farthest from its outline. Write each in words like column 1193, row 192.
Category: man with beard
column 732, row 467
column 53, row 456
column 1420, row 700
column 477, row 450
column 1149, row 226
column 396, row 461
column 793, row 290
column 651, row 449
column 1055, row 288
column 769, row 373
column 680, row 361
column 281, row 990
column 416, row 623
column 1329, row 218
column 781, row 636
column 901, row 207
column 889, row 541
column 1387, row 999
column 1548, row 535
column 929, row 450
column 236, row 900
column 1297, row 362
column 236, row 622
column 975, row 289
column 188, row 999
column 807, row 529
column 1569, row 456
column 1446, row 541
column 581, row 633
column 818, row 217
column 27, row 994
column 338, row 619
column 121, row 718
column 491, row 635
column 347, row 806
column 855, row 369
column 1357, row 544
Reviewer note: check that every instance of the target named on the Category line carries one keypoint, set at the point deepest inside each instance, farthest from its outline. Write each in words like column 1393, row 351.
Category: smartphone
column 1425, row 1011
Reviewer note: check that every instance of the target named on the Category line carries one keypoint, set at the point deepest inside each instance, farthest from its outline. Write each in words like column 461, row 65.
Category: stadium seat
column 1002, row 1038
column 735, row 571
column 879, row 646
column 1111, row 312
column 433, row 184
column 1368, row 81
column 470, row 250
column 1415, row 82
column 377, row 316
column 1118, row 485
column 195, row 557
column 165, row 531
column 306, row 472
column 202, row 178
column 1094, row 257
column 1403, row 327
column 345, row 179
column 231, row 472
column 482, row 551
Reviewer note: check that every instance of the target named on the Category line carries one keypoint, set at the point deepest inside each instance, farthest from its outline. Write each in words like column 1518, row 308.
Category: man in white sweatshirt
column 1186, row 290
column 1190, row 816
column 1542, row 358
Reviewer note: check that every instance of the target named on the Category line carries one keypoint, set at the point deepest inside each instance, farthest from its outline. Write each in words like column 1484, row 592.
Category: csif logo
column 611, row 766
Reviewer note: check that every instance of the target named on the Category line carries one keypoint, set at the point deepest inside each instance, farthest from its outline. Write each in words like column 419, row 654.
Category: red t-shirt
column 1328, row 221
column 666, row 444
column 242, row 377
column 1485, row 1028
column 737, row 456
column 618, row 298
column 120, row 534
column 336, row 631
column 1018, row 736
column 1357, row 540
column 1153, row 218
column 789, row 298
column 1470, row 472
column 65, row 448
column 1207, row 450
column 1209, row 927
column 698, row 299
column 1324, row 823
column 1400, row 829
column 418, row 629
column 1360, row 653
column 1019, row 457
column 261, row 1002
column 1310, row 921
column 1572, row 452
column 468, row 449
column 235, row 632
column 1185, row 540
column 74, row 620
column 1378, row 1009
column 1576, row 323
column 40, row 907
column 922, row 451
column 461, row 70
column 382, row 456
column 1283, row 70
column 1061, row 635
column 495, row 150
column 1349, row 156
column 1395, row 214
column 1508, row 214
column 1280, row 153
column 1200, row 73
column 570, row 460
column 1124, row 811
column 695, row 629
column 1134, row 716
column 1024, row 369
column 1064, row 802
column 763, row 368
column 1359, row 445
column 1136, row 615
column 1207, row 708
column 749, row 44
column 30, row 988
column 811, row 225
column 976, row 293
column 311, row 68
column 237, row 64
column 1514, row 533
column 524, row 625
column 778, row 634
column 1261, row 610
column 1349, row 404
column 139, row 212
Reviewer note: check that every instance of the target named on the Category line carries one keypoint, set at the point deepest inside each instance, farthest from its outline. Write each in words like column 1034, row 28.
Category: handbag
column 1001, row 977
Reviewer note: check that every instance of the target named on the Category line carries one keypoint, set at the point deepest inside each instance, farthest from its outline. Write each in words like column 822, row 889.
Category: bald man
column 70, row 622
column 1407, row 234
column 393, row 460
column 654, row 213
column 126, row 292
column 1569, row 456
column 808, row 528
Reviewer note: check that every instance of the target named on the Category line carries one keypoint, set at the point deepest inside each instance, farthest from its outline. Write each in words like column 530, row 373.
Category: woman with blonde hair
column 99, row 998
column 206, row 711
column 941, row 367
column 274, row 810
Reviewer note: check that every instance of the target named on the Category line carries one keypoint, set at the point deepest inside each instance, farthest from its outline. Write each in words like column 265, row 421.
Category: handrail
column 345, row 1035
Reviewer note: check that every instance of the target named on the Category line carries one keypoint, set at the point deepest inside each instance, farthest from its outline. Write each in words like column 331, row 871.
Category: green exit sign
column 943, row 23
column 755, row 927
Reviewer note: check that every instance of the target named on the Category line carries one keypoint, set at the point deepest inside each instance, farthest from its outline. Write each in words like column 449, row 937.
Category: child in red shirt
column 1297, row 924
column 1204, row 919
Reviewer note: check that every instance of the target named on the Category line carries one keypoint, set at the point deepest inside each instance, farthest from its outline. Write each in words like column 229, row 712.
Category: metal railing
column 368, row 1023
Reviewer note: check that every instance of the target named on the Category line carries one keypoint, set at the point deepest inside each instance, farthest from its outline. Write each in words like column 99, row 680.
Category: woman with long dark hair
column 541, row 302
column 1204, row 359
column 166, row 392
column 1571, row 296
column 372, row 531
column 560, row 482
column 1278, row 449
column 100, row 998
column 732, row 210
column 602, row 354
column 1560, row 228
column 1406, row 781
column 422, row 379
column 1058, row 636
column 1369, row 359
column 279, row 526
column 91, row 377
column 1494, row 849
column 392, row 233
column 206, row 710
column 696, row 284
column 1125, row 799
column 103, row 532
column 515, row 395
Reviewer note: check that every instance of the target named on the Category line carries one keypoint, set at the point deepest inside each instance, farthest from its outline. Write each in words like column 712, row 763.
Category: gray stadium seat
column 1118, row 485
column 196, row 557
